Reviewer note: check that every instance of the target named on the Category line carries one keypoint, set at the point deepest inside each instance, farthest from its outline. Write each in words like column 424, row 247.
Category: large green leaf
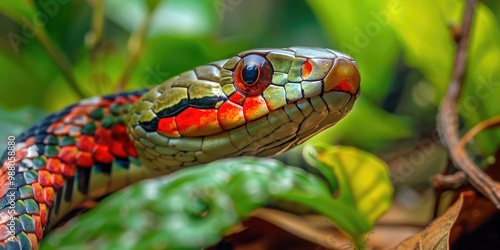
column 361, row 181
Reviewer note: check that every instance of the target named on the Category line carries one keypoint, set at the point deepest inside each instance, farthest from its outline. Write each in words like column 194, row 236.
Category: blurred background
column 54, row 53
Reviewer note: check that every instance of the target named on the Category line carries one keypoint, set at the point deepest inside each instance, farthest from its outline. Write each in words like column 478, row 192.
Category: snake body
column 259, row 102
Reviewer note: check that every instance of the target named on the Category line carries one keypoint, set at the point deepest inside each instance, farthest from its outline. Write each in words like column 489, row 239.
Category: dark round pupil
column 250, row 73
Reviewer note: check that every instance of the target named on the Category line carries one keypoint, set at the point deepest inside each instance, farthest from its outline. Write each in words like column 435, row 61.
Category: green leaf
column 362, row 183
column 192, row 208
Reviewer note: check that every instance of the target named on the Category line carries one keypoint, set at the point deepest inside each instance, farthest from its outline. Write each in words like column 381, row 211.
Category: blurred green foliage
column 407, row 48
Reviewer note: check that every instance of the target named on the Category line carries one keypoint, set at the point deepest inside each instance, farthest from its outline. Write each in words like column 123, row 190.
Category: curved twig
column 448, row 116
column 494, row 121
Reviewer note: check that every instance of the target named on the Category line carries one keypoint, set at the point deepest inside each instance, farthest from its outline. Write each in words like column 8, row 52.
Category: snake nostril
column 344, row 76
column 150, row 126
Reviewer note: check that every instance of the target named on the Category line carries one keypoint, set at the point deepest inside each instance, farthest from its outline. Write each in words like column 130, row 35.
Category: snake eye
column 252, row 74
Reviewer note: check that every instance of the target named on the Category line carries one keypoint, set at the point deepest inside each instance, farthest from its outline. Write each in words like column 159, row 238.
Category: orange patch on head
column 254, row 107
column 343, row 86
column 230, row 115
column 168, row 127
column 198, row 122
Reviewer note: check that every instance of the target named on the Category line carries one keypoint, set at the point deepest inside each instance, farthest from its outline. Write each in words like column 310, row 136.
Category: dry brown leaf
column 269, row 229
column 259, row 234
column 437, row 234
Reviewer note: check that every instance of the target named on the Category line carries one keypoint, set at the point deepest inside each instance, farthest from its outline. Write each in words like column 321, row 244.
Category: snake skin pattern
column 260, row 102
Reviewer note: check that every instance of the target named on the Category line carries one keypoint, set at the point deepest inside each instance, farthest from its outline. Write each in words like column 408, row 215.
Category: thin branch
column 96, row 35
column 52, row 50
column 135, row 46
column 494, row 121
column 449, row 182
column 61, row 61
column 448, row 116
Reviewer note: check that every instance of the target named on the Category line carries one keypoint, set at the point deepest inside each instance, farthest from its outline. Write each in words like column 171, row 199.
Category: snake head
column 259, row 102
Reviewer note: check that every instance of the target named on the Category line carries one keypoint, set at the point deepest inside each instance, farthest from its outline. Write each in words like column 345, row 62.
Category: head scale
column 260, row 102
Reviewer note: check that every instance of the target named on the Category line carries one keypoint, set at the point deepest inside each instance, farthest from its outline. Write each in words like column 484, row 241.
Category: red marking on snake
column 32, row 238
column 119, row 132
column 254, row 107
column 121, row 100
column 43, row 213
column 30, row 141
column 48, row 193
column 38, row 192
column 237, row 98
column 102, row 154
column 129, row 146
column 197, row 122
column 306, row 69
column 58, row 180
column 68, row 170
column 4, row 181
column 38, row 226
column 86, row 143
column 343, row 86
column 84, row 160
column 118, row 149
column 103, row 136
column 168, row 127
column 45, row 178
column 54, row 164
column 230, row 115
column 67, row 155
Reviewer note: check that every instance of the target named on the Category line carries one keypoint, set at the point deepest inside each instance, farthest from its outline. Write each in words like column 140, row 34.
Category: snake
column 260, row 102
